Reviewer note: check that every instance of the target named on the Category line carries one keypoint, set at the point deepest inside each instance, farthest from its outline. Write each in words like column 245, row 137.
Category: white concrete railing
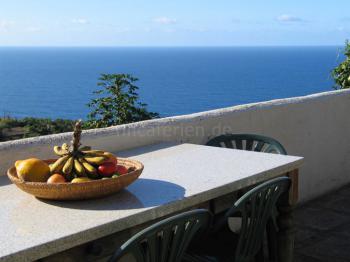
column 316, row 127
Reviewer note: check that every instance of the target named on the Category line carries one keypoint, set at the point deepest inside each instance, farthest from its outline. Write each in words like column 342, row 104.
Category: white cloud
column 5, row 25
column 164, row 20
column 80, row 21
column 289, row 18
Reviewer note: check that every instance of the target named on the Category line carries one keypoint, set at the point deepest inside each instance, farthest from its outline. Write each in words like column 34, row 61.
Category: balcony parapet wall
column 316, row 127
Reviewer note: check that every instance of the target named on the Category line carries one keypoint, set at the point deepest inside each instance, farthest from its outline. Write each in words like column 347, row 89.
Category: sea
column 58, row 82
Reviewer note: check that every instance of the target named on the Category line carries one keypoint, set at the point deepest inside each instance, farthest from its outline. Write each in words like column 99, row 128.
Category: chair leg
column 260, row 255
column 271, row 241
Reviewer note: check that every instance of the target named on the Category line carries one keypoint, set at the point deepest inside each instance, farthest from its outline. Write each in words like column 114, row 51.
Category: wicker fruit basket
column 78, row 191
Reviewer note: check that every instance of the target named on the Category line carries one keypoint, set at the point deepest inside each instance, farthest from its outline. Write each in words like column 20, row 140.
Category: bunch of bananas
column 79, row 162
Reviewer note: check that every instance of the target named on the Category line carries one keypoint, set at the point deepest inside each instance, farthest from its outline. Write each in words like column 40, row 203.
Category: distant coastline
column 13, row 128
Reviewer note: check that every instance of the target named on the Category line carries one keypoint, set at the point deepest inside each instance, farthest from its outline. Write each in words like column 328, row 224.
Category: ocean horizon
column 58, row 82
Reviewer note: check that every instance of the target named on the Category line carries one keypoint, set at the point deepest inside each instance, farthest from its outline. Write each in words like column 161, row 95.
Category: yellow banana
column 90, row 169
column 65, row 147
column 57, row 166
column 85, row 148
column 97, row 160
column 68, row 166
column 78, row 167
column 57, row 149
column 60, row 151
column 90, row 155
column 93, row 152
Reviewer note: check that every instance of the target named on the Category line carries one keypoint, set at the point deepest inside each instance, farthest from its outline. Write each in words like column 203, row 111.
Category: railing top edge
column 48, row 139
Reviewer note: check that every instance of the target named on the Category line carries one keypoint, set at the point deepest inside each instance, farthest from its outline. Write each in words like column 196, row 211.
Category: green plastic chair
column 165, row 241
column 250, row 142
column 258, row 212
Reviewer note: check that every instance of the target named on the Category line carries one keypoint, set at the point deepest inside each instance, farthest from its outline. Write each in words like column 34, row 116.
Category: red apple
column 107, row 169
column 122, row 170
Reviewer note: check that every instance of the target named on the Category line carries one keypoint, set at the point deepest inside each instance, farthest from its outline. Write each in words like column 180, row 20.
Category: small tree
column 117, row 102
column 341, row 73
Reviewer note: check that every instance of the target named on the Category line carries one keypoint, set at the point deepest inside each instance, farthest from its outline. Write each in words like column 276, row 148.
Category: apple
column 121, row 170
column 107, row 169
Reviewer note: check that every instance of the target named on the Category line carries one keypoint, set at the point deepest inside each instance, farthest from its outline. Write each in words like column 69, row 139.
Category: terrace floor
column 324, row 228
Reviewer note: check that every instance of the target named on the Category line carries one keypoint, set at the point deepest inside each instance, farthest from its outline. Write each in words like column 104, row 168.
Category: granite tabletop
column 176, row 176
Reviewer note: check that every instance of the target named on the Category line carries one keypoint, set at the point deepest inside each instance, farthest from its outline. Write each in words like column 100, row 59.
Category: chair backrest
column 249, row 142
column 166, row 240
column 256, row 208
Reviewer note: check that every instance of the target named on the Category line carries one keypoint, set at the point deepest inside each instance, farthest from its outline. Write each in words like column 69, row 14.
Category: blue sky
column 173, row 23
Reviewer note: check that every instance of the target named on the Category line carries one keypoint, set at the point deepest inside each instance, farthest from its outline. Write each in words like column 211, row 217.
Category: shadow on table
column 143, row 193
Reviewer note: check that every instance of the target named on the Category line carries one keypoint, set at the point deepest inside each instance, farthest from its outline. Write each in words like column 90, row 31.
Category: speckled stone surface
column 175, row 177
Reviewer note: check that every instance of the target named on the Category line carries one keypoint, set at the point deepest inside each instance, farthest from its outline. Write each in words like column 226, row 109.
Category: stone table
column 176, row 177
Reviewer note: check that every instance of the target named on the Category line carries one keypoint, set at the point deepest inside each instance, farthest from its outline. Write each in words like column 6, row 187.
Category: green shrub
column 33, row 127
column 341, row 74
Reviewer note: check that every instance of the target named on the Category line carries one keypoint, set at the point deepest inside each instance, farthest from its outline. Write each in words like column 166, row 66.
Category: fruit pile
column 75, row 164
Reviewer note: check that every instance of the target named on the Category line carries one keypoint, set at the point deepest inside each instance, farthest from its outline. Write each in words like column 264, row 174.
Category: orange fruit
column 32, row 170
column 56, row 178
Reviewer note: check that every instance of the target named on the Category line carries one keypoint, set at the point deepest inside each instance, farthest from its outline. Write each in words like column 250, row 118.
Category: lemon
column 80, row 179
column 32, row 170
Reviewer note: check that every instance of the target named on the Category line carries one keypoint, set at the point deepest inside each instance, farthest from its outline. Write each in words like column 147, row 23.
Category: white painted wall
column 316, row 127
